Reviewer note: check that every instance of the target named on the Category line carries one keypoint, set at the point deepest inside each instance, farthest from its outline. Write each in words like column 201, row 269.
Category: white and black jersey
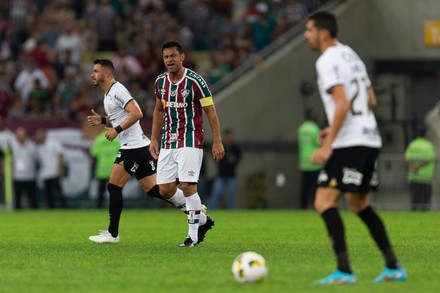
column 340, row 65
column 114, row 104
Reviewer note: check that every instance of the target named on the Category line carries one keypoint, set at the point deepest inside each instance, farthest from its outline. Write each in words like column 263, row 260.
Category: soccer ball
column 249, row 267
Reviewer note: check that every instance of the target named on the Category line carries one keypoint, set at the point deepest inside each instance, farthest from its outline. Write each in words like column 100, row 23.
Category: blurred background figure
column 226, row 180
column 51, row 168
column 24, row 167
column 420, row 157
column 104, row 152
column 308, row 143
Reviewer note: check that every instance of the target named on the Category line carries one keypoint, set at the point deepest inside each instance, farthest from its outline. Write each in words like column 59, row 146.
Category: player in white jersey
column 134, row 158
column 349, row 148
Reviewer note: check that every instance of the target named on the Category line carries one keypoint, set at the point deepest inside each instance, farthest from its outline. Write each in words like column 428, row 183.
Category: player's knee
column 154, row 192
column 113, row 189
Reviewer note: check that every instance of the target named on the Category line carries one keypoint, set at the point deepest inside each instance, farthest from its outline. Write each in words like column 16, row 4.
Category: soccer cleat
column 337, row 278
column 210, row 222
column 388, row 274
column 104, row 237
column 188, row 242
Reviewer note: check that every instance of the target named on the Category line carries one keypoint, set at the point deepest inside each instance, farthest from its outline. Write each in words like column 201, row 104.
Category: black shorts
column 351, row 169
column 137, row 162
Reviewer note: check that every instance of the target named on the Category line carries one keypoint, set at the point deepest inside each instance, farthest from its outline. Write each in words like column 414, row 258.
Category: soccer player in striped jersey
column 182, row 96
column 349, row 149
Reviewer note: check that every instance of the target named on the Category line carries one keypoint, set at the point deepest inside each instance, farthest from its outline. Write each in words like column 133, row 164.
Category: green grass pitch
column 49, row 251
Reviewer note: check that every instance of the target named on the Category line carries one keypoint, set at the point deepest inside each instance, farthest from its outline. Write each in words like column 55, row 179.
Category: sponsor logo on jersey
column 198, row 78
column 191, row 173
column 176, row 104
column 352, row 176
column 135, row 167
column 119, row 99
column 119, row 155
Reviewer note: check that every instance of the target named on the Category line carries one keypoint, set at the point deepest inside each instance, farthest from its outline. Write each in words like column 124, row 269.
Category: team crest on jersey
column 184, row 93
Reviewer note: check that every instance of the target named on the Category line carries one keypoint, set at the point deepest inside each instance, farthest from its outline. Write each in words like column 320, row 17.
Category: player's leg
column 328, row 194
column 118, row 178
column 49, row 193
column 326, row 204
column 359, row 204
column 189, row 161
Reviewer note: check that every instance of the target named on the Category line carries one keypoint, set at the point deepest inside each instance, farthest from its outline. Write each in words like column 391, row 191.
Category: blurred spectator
column 24, row 163
column 44, row 58
column 420, row 156
column 294, row 13
column 21, row 19
column 5, row 99
column 39, row 99
column 220, row 67
column 263, row 29
column 69, row 45
column 67, row 90
column 308, row 143
column 149, row 62
column 104, row 153
column 226, row 180
column 106, row 22
column 51, row 168
column 81, row 104
column 25, row 81
column 127, row 67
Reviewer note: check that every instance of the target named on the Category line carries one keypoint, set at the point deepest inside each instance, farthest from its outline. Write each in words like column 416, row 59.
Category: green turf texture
column 49, row 251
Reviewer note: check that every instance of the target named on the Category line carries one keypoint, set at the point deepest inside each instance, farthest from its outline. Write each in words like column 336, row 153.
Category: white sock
column 193, row 207
column 179, row 200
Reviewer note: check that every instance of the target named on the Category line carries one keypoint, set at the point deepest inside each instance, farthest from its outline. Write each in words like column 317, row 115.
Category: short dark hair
column 105, row 63
column 325, row 20
column 171, row 44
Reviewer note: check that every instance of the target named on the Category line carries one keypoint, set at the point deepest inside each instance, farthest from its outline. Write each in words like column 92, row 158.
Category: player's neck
column 325, row 45
column 107, row 85
column 176, row 76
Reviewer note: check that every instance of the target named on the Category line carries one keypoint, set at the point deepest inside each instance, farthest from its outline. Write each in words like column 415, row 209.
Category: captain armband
column 207, row 101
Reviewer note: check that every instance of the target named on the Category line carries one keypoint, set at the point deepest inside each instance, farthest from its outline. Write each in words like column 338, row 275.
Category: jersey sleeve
column 202, row 92
column 122, row 97
column 328, row 71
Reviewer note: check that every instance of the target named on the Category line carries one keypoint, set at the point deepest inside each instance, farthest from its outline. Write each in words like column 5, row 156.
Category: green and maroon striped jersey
column 183, row 102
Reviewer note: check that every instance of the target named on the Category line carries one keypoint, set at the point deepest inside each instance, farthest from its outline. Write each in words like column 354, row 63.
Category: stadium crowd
column 47, row 46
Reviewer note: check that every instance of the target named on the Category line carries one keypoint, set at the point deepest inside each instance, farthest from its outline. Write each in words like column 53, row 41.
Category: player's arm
column 156, row 127
column 96, row 119
column 134, row 115
column 218, row 150
column 372, row 101
column 342, row 106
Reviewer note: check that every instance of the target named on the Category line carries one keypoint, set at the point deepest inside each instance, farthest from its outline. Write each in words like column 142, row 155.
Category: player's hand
column 94, row 119
column 323, row 134
column 154, row 149
column 321, row 155
column 111, row 133
column 218, row 151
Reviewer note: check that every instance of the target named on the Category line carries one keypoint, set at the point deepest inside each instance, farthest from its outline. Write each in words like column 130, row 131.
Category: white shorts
column 183, row 164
